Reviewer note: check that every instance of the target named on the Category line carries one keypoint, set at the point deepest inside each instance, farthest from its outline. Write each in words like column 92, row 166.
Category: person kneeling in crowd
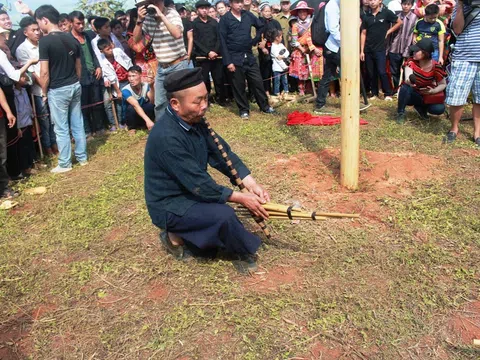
column 424, row 85
column 138, row 101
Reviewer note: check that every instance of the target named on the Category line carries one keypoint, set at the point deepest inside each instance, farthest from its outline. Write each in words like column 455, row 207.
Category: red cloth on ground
column 299, row 118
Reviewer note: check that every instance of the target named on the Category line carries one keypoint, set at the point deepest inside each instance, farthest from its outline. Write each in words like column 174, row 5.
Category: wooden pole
column 114, row 108
column 35, row 122
column 350, row 82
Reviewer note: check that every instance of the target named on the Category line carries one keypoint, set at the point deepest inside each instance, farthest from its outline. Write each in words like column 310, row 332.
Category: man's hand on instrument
column 253, row 203
column 252, row 186
column 212, row 55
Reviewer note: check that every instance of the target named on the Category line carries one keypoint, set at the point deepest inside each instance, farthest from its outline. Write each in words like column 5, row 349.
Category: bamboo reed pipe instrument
column 285, row 212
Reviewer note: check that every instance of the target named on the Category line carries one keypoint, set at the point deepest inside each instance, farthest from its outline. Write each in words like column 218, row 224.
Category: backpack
column 319, row 32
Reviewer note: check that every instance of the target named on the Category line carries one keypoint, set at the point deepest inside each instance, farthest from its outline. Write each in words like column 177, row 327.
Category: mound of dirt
column 265, row 282
column 317, row 175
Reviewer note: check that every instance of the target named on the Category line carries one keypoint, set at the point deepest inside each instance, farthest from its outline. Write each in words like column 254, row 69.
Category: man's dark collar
column 186, row 126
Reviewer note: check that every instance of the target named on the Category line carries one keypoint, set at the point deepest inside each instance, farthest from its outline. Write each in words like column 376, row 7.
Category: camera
column 475, row 3
column 146, row 3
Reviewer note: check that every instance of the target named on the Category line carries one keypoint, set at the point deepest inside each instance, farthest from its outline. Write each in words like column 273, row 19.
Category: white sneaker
column 59, row 169
column 388, row 98
column 83, row 163
column 374, row 97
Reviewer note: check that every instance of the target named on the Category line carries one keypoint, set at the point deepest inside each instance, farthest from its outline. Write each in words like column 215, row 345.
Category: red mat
column 305, row 118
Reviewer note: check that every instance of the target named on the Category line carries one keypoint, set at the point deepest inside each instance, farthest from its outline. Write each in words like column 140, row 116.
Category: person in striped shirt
column 465, row 69
column 166, row 29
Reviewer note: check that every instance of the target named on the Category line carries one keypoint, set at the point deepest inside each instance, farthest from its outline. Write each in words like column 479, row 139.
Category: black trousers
column 216, row 68
column 377, row 68
column 332, row 61
column 267, row 73
column 135, row 121
column 248, row 71
column 26, row 148
column 212, row 226
column 3, row 155
column 13, row 163
column 94, row 118
column 396, row 61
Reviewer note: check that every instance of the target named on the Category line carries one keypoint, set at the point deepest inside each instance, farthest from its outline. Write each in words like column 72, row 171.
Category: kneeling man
column 138, row 101
column 182, row 198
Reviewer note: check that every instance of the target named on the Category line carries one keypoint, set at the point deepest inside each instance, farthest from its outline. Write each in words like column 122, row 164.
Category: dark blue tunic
column 181, row 196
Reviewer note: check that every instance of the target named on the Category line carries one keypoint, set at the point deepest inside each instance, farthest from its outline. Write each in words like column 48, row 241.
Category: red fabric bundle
column 299, row 118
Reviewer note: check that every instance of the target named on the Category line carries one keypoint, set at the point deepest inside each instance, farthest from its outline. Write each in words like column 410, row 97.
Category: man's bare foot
column 175, row 239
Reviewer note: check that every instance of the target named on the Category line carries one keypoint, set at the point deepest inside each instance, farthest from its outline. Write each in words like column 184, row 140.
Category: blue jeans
column 47, row 133
column 435, row 55
column 160, row 92
column 408, row 96
column 278, row 79
column 66, row 113
column 108, row 108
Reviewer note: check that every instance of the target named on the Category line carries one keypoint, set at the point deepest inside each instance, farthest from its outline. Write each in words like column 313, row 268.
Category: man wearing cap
column 236, row 47
column 182, row 198
column 207, row 50
column 166, row 29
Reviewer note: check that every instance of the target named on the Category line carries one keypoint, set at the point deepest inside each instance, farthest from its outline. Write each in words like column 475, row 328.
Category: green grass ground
column 82, row 274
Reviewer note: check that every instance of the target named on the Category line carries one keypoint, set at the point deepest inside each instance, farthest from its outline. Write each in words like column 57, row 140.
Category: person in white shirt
column 9, row 73
column 279, row 54
column 115, row 65
column 26, row 51
column 104, row 31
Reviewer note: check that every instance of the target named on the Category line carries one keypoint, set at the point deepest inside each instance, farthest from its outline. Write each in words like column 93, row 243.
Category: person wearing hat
column 207, row 50
column 236, row 47
column 302, row 44
column 424, row 84
column 165, row 28
column 181, row 197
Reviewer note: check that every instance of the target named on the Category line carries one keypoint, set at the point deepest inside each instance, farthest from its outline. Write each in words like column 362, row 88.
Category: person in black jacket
column 264, row 58
column 206, row 49
column 236, row 48
column 94, row 118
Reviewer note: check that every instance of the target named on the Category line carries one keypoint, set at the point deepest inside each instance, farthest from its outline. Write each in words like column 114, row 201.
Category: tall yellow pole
column 350, row 78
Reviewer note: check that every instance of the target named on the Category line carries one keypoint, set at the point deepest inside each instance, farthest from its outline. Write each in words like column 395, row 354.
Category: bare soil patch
column 157, row 291
column 15, row 340
column 464, row 326
column 381, row 174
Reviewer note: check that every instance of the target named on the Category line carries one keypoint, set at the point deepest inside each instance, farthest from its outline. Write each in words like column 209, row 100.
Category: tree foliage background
column 105, row 8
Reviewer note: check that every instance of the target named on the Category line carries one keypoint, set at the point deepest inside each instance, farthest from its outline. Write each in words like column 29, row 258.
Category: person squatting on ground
column 182, row 198
column 138, row 100
column 465, row 71
column 424, row 83
column 60, row 71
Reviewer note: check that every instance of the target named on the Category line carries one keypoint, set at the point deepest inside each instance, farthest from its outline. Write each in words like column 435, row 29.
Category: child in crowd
column 104, row 31
column 115, row 67
column 117, row 31
column 26, row 146
column 376, row 27
column 430, row 27
column 279, row 54
column 402, row 40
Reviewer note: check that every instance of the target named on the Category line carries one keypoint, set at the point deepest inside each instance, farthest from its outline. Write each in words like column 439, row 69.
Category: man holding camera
column 164, row 25
column 465, row 71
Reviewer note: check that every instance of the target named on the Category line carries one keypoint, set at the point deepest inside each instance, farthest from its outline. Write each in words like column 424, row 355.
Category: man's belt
column 171, row 63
